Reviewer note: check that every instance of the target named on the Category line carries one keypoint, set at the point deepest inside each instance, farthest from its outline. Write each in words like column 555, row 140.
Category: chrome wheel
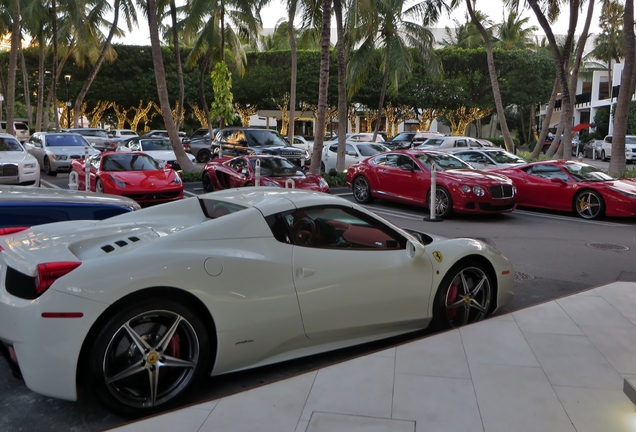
column 464, row 296
column 150, row 359
column 362, row 190
column 47, row 167
column 204, row 156
column 589, row 205
column 443, row 202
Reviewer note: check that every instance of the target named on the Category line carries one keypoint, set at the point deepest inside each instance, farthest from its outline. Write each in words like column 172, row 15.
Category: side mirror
column 414, row 250
column 352, row 153
column 29, row 146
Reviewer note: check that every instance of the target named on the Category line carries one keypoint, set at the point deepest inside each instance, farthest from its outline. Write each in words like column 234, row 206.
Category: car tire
column 362, row 190
column 47, row 167
column 589, row 204
column 464, row 296
column 99, row 186
column 138, row 342
column 207, row 182
column 204, row 156
column 603, row 157
column 443, row 202
column 248, row 184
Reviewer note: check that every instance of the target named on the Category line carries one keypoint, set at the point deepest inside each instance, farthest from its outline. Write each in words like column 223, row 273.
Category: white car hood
column 165, row 155
column 71, row 150
column 17, row 157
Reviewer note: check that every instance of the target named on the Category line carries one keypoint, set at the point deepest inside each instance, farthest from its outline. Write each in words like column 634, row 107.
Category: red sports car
column 276, row 171
column 572, row 186
column 131, row 174
column 405, row 176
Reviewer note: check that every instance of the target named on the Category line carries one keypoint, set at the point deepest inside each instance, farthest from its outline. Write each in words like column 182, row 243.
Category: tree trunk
column 323, row 87
column 546, row 123
column 27, row 91
column 41, row 87
column 503, row 125
column 13, row 65
column 342, row 88
column 385, row 84
column 162, row 89
column 177, row 59
column 204, row 69
column 56, row 113
column 79, row 100
column 623, row 103
column 294, row 71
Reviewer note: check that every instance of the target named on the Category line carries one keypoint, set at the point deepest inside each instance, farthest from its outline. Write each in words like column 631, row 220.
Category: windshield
column 10, row 145
column 404, row 136
column 65, row 140
column 371, row 149
column 149, row 145
column 277, row 167
column 265, row 138
column 92, row 132
column 501, row 156
column 129, row 162
column 442, row 161
column 215, row 209
column 583, row 172
column 433, row 142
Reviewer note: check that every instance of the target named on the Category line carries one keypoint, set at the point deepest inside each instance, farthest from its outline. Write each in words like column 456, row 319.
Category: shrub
column 527, row 156
column 337, row 180
column 190, row 176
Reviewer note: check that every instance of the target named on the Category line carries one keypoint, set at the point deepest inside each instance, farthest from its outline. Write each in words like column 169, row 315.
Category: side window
column 333, row 148
column 461, row 143
column 405, row 160
column 94, row 161
column 238, row 164
column 608, row 139
column 390, row 160
column 339, row 228
column 240, row 139
column 548, row 172
column 350, row 149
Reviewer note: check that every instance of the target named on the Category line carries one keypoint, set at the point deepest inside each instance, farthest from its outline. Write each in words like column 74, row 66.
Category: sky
column 272, row 13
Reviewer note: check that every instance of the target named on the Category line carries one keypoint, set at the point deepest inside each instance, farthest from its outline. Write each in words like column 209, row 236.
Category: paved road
column 554, row 255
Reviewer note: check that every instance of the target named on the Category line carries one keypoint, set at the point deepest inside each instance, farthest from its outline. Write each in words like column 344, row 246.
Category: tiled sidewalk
column 558, row 366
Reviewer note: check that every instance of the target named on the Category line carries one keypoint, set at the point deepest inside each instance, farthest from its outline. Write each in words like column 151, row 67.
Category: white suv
column 20, row 130
column 630, row 148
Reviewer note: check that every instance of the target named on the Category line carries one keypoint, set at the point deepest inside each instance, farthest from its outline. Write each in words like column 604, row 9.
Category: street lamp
column 67, row 78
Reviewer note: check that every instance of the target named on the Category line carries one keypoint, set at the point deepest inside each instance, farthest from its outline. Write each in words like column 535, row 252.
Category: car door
column 37, row 148
column 548, row 186
column 355, row 276
column 238, row 172
column 404, row 179
column 330, row 156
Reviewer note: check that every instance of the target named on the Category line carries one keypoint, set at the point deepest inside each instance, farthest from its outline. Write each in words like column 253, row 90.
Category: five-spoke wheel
column 589, row 204
column 443, row 202
column 147, row 356
column 362, row 190
column 99, row 186
column 464, row 296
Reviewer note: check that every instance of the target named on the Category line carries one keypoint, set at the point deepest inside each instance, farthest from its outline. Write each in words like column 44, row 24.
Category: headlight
column 323, row 183
column 117, row 181
column 58, row 157
column 29, row 165
column 307, row 156
column 477, row 190
column 177, row 180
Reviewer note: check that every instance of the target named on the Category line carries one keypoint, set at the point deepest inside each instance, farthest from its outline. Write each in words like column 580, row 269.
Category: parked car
column 202, row 149
column 354, row 152
column 630, row 148
column 593, row 149
column 489, row 157
column 55, row 151
column 158, row 133
column 445, row 143
column 275, row 171
column 122, row 133
column 159, row 148
column 17, row 166
column 405, row 140
column 201, row 133
column 361, row 137
column 238, row 141
column 131, row 174
column 573, row 187
column 140, row 307
column 24, row 206
column 304, row 144
column 97, row 137
column 20, row 130
column 405, row 176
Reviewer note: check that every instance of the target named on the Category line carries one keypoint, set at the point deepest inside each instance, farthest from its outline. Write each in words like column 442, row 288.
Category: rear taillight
column 50, row 272
column 11, row 230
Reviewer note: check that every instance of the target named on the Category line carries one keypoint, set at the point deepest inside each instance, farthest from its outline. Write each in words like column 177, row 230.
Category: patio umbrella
column 581, row 126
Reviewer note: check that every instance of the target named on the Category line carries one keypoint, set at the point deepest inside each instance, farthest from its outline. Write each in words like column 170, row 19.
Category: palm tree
column 609, row 45
column 13, row 63
column 467, row 35
column 399, row 33
column 514, row 33
column 162, row 88
column 127, row 7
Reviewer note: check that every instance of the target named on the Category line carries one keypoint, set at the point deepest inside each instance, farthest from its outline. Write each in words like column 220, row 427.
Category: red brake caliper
column 451, row 297
column 174, row 347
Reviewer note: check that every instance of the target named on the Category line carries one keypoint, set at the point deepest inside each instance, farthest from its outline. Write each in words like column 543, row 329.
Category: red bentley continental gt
column 131, row 174
column 573, row 187
column 276, row 171
column 405, row 176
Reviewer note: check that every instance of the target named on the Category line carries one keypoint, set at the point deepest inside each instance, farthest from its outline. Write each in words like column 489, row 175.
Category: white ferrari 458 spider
column 138, row 307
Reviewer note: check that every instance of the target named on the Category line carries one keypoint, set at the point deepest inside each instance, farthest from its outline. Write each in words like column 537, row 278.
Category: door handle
column 303, row 272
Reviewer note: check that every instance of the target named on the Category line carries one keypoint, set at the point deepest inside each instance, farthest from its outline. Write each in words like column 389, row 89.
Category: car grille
column 290, row 155
column 502, row 191
column 153, row 196
column 9, row 170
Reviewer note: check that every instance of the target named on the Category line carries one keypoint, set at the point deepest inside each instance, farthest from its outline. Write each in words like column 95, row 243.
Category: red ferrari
column 131, row 174
column 572, row 186
column 275, row 171
column 405, row 176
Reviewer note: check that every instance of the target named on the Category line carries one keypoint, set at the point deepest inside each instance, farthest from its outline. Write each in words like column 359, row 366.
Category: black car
column 22, row 207
column 236, row 141
column 405, row 140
